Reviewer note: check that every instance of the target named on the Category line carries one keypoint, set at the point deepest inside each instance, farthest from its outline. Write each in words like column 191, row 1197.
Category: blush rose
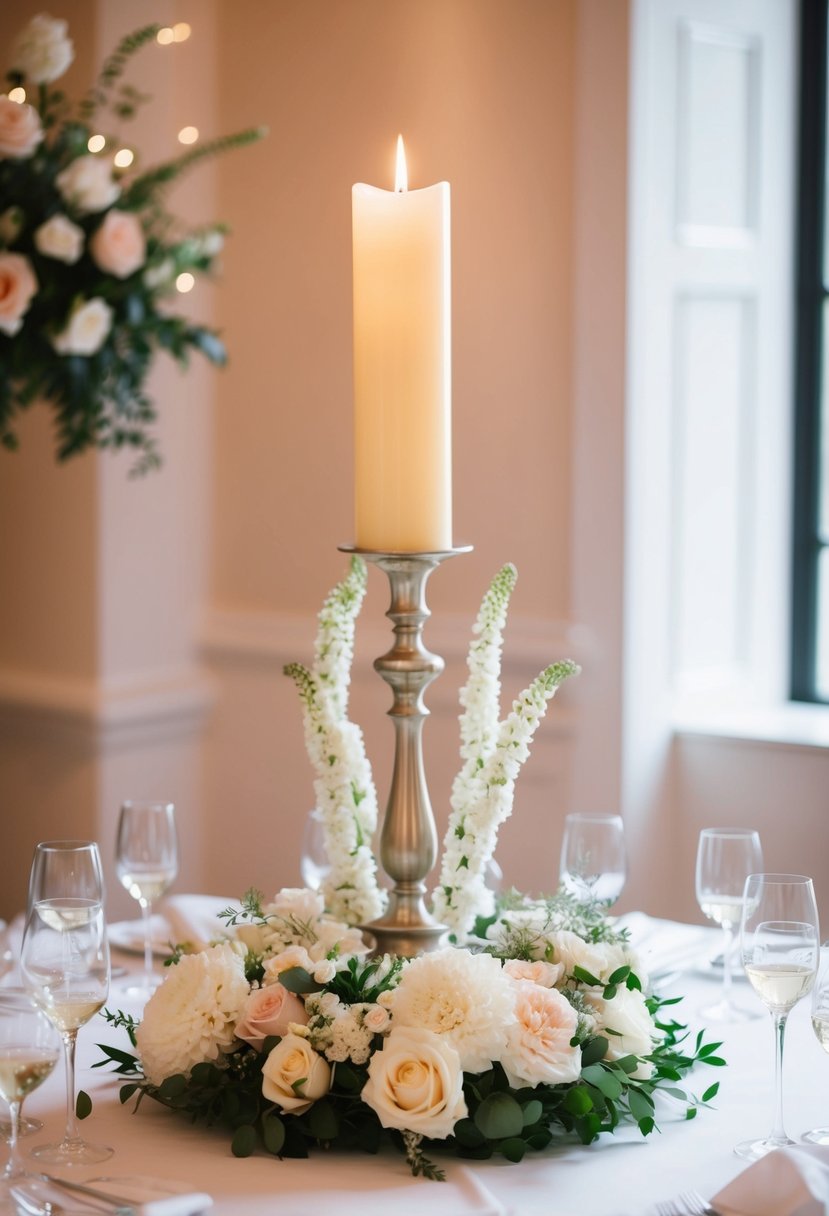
column 538, row 1048
column 118, row 246
column 20, row 129
column 269, row 1011
column 17, row 286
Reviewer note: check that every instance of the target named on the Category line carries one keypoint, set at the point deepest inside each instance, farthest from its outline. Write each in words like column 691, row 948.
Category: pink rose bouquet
column 89, row 257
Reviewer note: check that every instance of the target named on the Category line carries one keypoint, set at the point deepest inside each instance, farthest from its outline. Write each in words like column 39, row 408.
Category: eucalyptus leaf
column 499, row 1117
column 244, row 1141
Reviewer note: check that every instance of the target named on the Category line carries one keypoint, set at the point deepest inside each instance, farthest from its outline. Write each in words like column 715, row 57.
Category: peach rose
column 415, row 1083
column 87, row 184
column 119, row 246
column 269, row 1011
column 294, row 1076
column 17, row 286
column 538, row 1042
column 20, row 129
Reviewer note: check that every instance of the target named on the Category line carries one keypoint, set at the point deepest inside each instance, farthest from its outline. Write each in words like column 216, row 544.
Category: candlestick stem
column 408, row 841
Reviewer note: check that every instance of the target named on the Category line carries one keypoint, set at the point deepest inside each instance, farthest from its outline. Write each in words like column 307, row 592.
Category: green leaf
column 126, row 1092
column 298, row 981
column 641, row 1105
column 499, row 1117
column 594, row 1050
column 244, row 1141
column 533, row 1111
column 586, row 977
column 647, row 1125
column 578, row 1101
column 513, row 1148
column 604, row 1080
column 83, row 1105
column 273, row 1133
column 323, row 1121
column 172, row 1087
column 711, row 1092
column 467, row 1134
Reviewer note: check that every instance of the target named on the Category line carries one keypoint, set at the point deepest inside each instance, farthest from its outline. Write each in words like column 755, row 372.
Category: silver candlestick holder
column 408, row 840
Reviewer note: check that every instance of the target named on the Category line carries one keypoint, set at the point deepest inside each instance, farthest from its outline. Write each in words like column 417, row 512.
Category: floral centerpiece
column 537, row 1023
column 89, row 255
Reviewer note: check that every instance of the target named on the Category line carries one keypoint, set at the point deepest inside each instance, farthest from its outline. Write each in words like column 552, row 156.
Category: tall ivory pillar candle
column 402, row 369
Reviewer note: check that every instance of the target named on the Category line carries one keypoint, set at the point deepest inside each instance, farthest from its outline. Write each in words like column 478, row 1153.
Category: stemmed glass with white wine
column 64, row 962
column 146, row 861
column 29, row 1050
column 725, row 858
column 593, row 859
column 780, row 946
column 820, row 1025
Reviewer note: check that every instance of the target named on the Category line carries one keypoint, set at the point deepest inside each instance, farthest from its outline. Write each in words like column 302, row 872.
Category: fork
column 689, row 1203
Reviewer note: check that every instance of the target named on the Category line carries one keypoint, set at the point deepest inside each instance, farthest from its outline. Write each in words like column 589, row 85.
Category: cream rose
column 538, row 1048
column 20, row 129
column 118, row 245
column 87, row 185
column 294, row 1076
column 269, row 1011
column 599, row 958
column 17, row 286
column 627, row 1016
column 86, row 328
column 43, row 50
column 59, row 238
column 415, row 1083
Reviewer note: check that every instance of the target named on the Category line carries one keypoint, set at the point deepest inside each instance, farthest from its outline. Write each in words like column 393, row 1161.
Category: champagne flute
column 820, row 1025
column 146, row 861
column 593, row 862
column 64, row 962
column 780, row 945
column 725, row 858
column 29, row 1050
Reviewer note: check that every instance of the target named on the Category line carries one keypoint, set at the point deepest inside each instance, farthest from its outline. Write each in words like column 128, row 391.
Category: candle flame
column 401, row 177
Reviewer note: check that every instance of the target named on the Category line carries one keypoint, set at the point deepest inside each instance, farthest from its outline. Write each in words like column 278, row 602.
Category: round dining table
column 619, row 1175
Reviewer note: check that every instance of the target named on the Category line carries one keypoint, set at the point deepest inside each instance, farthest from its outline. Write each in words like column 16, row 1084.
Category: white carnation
column 192, row 1016
column 463, row 997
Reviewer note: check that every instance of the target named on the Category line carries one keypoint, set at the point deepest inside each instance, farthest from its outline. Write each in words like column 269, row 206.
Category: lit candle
column 402, row 367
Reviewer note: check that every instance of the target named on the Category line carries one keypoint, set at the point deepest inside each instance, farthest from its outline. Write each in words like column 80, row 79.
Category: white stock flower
column 87, row 184
column 43, row 51
column 627, row 1016
column 59, row 238
column 192, row 1016
column 415, row 1083
column 86, row 328
column 538, row 1050
column 462, row 997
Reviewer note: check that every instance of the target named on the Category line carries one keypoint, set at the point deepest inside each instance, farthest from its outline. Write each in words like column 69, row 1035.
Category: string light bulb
column 185, row 282
column 123, row 158
column 165, row 36
column 188, row 135
column 181, row 31
column 17, row 94
column 96, row 143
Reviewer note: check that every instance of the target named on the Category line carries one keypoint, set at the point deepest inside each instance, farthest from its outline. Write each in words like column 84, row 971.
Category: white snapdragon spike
column 334, row 649
column 473, row 824
column 481, row 695
column 346, row 800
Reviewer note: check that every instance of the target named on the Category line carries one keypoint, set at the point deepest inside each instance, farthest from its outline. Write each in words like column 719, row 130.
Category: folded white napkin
column 195, row 918
column 144, row 1196
column 788, row 1182
column 664, row 946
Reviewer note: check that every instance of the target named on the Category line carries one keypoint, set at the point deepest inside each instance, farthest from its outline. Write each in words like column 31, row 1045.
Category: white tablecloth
column 618, row 1176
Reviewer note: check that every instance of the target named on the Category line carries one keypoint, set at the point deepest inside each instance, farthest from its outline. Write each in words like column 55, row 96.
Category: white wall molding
column 107, row 715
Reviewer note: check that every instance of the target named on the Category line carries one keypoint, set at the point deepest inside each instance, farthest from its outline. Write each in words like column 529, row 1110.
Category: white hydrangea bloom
column 192, row 1016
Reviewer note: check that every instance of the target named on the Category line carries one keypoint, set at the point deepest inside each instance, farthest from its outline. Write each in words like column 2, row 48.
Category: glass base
column 753, row 1150
column 27, row 1128
column 727, row 1011
column 71, row 1152
column 818, row 1135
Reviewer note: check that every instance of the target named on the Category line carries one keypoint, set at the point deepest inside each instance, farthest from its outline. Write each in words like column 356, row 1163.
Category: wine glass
column 820, row 1025
column 725, row 858
column 64, row 962
column 29, row 1050
column 780, row 945
column 146, row 862
column 593, row 862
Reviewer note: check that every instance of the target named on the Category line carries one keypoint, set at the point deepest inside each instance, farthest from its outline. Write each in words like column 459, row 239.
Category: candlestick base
column 408, row 840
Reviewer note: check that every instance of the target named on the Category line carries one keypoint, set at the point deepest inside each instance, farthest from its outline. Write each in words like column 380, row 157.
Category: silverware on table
column 689, row 1203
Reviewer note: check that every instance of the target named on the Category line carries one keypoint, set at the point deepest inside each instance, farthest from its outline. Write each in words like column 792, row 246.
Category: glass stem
column 14, row 1166
column 778, row 1131
column 69, row 1040
column 728, row 936
column 146, row 912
